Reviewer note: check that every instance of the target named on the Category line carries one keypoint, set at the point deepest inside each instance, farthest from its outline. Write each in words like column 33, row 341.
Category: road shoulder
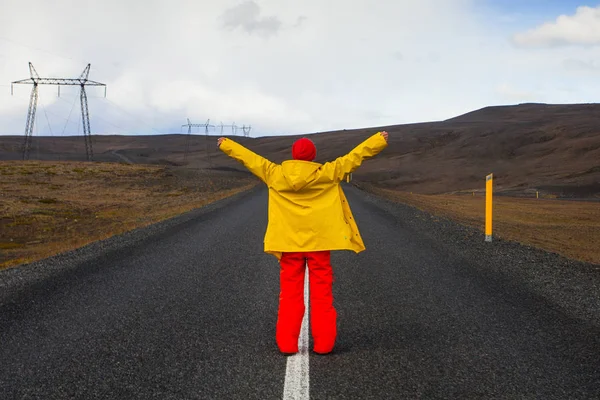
column 571, row 286
column 16, row 279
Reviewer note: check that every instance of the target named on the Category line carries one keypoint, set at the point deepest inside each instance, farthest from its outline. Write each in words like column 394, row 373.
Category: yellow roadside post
column 488, row 207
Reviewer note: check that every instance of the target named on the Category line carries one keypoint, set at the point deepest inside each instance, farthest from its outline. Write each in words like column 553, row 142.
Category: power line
column 49, row 127
column 132, row 116
column 36, row 48
column 119, row 128
column 47, row 120
column 69, row 117
column 53, row 53
column 37, row 134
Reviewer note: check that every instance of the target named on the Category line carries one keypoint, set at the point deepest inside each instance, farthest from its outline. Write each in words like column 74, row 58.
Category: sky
column 288, row 67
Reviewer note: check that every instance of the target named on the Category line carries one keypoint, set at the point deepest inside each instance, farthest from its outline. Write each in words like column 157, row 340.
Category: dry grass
column 569, row 228
column 50, row 207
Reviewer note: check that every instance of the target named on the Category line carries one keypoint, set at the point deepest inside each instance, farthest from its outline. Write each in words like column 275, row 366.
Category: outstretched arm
column 340, row 167
column 259, row 166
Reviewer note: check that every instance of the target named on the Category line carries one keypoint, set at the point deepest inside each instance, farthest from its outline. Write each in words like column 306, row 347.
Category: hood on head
column 298, row 173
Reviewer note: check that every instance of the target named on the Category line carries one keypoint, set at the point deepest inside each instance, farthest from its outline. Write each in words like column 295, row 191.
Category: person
column 308, row 217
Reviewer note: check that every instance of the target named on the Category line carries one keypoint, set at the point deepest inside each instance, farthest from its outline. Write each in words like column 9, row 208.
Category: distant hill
column 553, row 148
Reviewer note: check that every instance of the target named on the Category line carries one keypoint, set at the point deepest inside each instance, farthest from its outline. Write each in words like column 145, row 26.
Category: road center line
column 296, row 373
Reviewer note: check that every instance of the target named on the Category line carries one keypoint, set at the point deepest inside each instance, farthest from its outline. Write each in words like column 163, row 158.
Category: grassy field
column 569, row 228
column 50, row 207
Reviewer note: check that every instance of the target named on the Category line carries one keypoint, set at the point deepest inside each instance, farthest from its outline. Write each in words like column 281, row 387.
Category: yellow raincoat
column 308, row 210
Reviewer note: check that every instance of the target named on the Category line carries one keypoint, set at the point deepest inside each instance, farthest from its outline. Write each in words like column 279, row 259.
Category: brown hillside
column 528, row 147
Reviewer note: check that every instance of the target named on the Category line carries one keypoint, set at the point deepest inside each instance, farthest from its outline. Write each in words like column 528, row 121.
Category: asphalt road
column 189, row 312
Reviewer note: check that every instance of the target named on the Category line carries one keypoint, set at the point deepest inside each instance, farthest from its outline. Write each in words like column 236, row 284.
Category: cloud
column 300, row 21
column 512, row 93
column 325, row 65
column 510, row 18
column 431, row 57
column 246, row 16
column 582, row 29
column 576, row 65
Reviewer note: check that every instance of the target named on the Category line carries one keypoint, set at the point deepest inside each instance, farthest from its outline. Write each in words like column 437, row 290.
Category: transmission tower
column 232, row 126
column 82, row 81
column 207, row 125
column 246, row 130
column 187, row 140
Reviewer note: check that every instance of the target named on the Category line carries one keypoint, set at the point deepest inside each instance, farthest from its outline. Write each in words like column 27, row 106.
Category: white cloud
column 247, row 17
column 576, row 65
column 583, row 28
column 282, row 67
column 510, row 18
column 514, row 94
column 397, row 56
column 301, row 20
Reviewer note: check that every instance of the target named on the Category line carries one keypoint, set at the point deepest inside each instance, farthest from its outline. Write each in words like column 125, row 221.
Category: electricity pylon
column 246, row 130
column 82, row 81
column 207, row 125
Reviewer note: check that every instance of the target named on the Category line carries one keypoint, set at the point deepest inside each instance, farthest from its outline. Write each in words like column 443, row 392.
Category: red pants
column 291, row 301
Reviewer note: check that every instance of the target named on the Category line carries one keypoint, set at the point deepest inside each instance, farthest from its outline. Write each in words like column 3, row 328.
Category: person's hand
column 220, row 141
column 385, row 135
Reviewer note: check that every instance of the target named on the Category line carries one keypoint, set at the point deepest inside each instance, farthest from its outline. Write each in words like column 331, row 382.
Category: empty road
column 189, row 312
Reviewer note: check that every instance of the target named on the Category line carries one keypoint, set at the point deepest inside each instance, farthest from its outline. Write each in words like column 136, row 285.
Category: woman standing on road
column 309, row 217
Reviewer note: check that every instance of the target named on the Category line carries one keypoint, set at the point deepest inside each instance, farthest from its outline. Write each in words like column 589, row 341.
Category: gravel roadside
column 572, row 286
column 15, row 279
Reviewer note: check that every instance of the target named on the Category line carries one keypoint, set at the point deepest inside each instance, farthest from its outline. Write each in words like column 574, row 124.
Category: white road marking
column 296, row 373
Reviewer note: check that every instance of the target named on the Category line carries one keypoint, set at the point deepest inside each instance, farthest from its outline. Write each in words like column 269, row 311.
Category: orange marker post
column 488, row 207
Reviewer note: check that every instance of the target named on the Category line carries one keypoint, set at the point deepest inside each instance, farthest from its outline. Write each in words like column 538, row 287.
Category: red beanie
column 304, row 149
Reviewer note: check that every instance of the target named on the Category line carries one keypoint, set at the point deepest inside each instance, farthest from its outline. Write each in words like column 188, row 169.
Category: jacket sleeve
column 340, row 167
column 259, row 166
